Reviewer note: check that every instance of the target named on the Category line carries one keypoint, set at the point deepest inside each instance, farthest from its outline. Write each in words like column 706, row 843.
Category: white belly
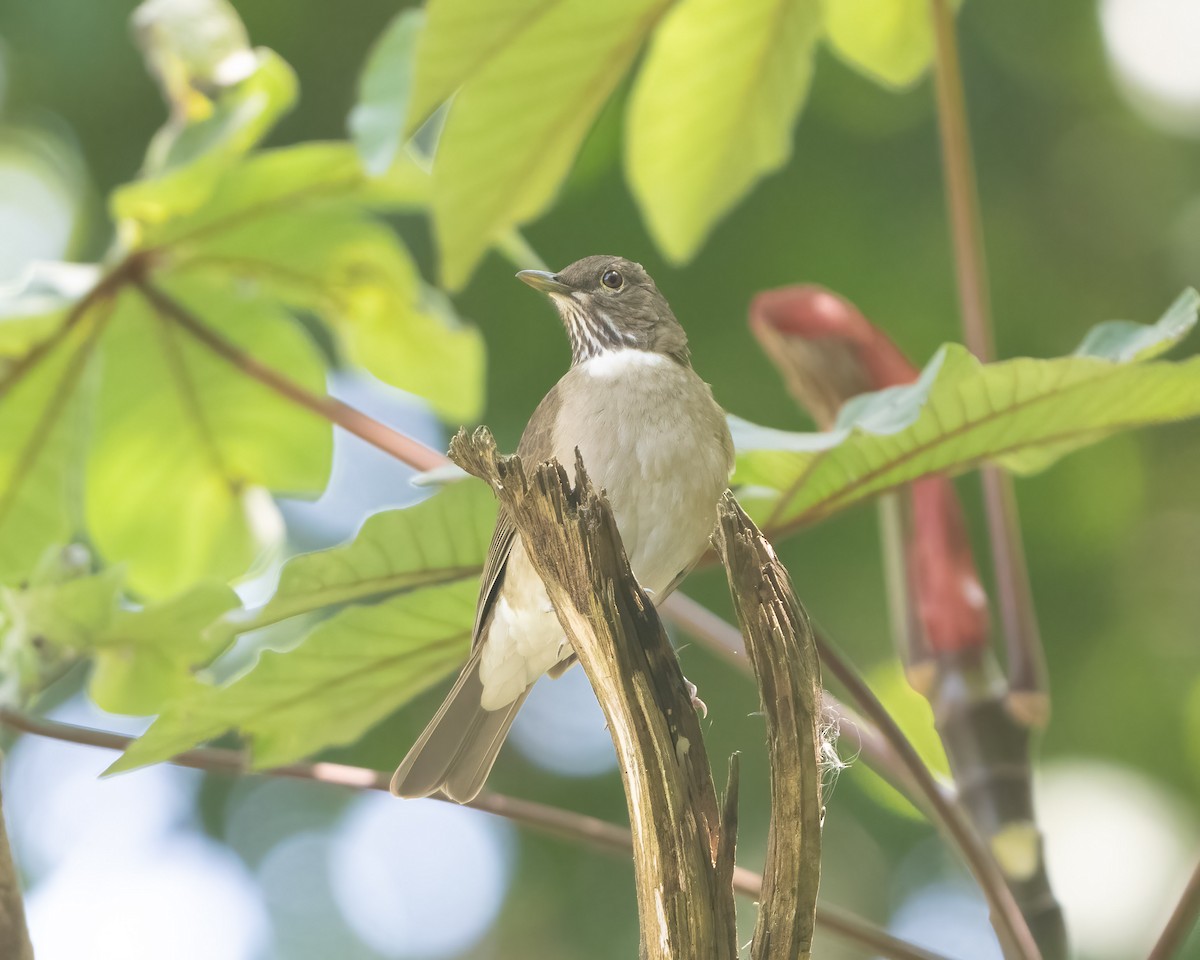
column 656, row 442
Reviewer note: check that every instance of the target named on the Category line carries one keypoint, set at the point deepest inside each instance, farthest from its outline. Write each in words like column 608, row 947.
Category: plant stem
column 724, row 639
column 591, row 831
column 403, row 448
column 14, row 933
column 1006, row 915
column 1028, row 696
column 1181, row 922
column 107, row 287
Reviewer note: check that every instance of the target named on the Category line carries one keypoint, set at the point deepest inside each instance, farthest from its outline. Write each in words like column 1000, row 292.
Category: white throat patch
column 613, row 363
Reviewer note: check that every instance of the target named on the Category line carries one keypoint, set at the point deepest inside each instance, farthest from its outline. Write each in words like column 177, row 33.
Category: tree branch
column 572, row 541
column 1028, row 697
column 780, row 642
column 576, row 827
column 403, row 448
column 1181, row 922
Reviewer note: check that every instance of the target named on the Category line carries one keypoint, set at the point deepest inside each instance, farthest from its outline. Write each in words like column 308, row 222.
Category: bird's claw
column 697, row 704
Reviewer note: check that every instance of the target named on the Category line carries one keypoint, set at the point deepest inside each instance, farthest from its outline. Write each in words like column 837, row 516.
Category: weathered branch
column 781, row 647
column 572, row 541
column 14, row 934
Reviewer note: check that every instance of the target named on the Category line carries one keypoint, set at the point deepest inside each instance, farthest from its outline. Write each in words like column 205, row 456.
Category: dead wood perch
column 783, row 652
column 682, row 840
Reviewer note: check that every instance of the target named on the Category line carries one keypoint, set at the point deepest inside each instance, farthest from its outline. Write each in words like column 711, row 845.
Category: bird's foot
column 697, row 704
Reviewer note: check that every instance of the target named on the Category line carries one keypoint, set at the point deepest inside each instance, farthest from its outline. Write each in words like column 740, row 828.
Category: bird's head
column 609, row 304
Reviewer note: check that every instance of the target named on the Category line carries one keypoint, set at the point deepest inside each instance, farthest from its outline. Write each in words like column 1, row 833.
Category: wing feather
column 537, row 444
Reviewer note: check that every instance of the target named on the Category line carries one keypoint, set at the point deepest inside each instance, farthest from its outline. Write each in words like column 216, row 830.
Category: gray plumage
column 652, row 437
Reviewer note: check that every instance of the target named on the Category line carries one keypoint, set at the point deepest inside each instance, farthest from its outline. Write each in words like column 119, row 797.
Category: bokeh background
column 1086, row 123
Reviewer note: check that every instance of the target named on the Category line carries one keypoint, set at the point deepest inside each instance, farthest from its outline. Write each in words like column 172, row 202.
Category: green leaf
column 187, row 447
column 353, row 274
column 404, row 593
column 144, row 660
column 457, row 43
column 189, row 166
column 42, row 419
column 1022, row 414
column 537, row 77
column 55, row 612
column 379, row 119
column 891, row 41
column 304, row 177
column 1124, row 341
column 442, row 539
column 350, row 672
column 713, row 108
column 31, row 307
column 439, row 540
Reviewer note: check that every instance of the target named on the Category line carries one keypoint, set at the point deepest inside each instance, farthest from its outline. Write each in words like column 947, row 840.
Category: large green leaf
column 439, row 540
column 303, row 177
column 42, row 419
column 403, row 600
column 187, row 171
column 187, row 447
column 145, row 659
column 32, row 306
column 890, row 41
column 458, row 43
column 352, row 671
column 56, row 611
column 379, row 119
column 352, row 273
column 713, row 109
column 1022, row 414
column 538, row 76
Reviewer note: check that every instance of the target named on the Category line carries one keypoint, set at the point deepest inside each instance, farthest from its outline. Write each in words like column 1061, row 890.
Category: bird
column 651, row 436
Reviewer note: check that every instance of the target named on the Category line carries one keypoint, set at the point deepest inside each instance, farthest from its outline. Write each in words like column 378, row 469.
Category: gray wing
column 537, row 444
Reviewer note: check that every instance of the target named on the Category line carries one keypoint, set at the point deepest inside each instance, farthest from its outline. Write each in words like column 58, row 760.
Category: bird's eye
column 612, row 280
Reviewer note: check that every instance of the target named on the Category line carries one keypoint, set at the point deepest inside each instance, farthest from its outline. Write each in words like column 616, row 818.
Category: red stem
column 1023, row 646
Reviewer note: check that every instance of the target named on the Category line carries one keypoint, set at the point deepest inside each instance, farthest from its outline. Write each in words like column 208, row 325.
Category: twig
column 725, row 640
column 780, row 642
column 403, row 448
column 1181, row 922
column 1029, row 700
column 592, row 832
column 105, row 288
column 684, row 902
column 1006, row 915
column 14, row 933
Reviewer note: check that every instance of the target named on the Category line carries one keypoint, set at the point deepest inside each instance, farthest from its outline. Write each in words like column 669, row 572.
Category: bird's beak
column 544, row 280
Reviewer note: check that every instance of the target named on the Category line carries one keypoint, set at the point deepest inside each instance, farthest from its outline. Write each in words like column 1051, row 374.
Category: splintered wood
column 683, row 841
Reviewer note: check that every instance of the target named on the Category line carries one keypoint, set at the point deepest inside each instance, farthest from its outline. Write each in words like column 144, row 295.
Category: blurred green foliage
column 1085, row 218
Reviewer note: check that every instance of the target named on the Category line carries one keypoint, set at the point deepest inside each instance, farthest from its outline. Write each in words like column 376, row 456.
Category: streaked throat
column 591, row 332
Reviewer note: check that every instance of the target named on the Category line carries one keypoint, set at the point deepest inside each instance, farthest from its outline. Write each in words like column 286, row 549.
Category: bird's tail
column 458, row 747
